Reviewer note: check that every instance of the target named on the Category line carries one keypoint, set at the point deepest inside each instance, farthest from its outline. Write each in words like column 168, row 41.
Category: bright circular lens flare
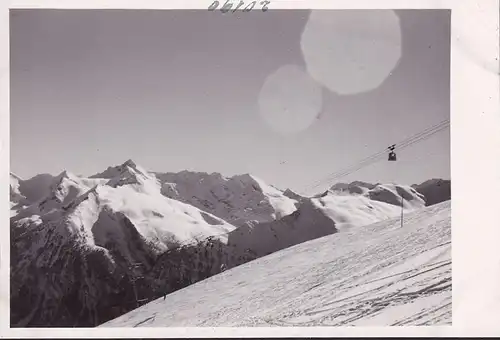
column 351, row 52
column 290, row 100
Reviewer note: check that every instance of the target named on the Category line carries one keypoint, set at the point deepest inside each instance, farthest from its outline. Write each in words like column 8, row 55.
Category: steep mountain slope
column 434, row 190
column 72, row 249
column 379, row 274
column 394, row 194
column 314, row 218
column 237, row 200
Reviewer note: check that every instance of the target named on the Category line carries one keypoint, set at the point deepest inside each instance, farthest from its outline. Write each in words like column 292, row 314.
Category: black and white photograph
column 230, row 167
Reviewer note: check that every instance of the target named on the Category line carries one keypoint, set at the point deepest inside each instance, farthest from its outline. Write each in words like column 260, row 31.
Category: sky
column 290, row 96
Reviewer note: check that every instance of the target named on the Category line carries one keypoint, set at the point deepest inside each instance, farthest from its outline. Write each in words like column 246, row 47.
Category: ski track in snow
column 376, row 275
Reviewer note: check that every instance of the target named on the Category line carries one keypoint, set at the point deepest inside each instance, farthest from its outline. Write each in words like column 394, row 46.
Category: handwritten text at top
column 245, row 7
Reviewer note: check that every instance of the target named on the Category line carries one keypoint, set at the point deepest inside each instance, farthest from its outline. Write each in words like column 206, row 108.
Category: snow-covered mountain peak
column 64, row 180
column 129, row 173
column 86, row 232
column 356, row 187
column 245, row 178
column 65, row 175
column 396, row 194
column 130, row 176
column 236, row 199
column 130, row 163
column 128, row 167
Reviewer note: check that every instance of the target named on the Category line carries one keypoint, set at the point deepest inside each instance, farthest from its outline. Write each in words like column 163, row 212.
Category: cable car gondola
column 392, row 154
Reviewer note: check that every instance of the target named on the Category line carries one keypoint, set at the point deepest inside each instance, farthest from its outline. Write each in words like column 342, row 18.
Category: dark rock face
column 66, row 283
column 435, row 191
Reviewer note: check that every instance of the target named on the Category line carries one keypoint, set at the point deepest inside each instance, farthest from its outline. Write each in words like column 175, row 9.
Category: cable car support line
column 421, row 136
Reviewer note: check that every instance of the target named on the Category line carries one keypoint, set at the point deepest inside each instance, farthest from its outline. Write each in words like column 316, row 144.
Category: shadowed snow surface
column 379, row 274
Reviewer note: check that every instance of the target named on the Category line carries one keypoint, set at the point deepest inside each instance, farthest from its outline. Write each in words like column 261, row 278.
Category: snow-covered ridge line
column 432, row 191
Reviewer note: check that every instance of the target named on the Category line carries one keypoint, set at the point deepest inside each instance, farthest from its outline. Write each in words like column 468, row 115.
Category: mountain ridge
column 90, row 233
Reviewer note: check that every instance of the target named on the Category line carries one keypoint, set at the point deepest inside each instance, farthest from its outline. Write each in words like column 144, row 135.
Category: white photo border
column 475, row 173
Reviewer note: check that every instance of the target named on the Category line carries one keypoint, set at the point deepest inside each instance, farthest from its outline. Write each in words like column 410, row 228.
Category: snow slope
column 397, row 195
column 313, row 218
column 360, row 203
column 237, row 199
column 379, row 274
column 393, row 194
column 348, row 211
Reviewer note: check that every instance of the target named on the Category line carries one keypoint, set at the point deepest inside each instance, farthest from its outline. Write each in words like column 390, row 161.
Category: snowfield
column 376, row 275
column 380, row 203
